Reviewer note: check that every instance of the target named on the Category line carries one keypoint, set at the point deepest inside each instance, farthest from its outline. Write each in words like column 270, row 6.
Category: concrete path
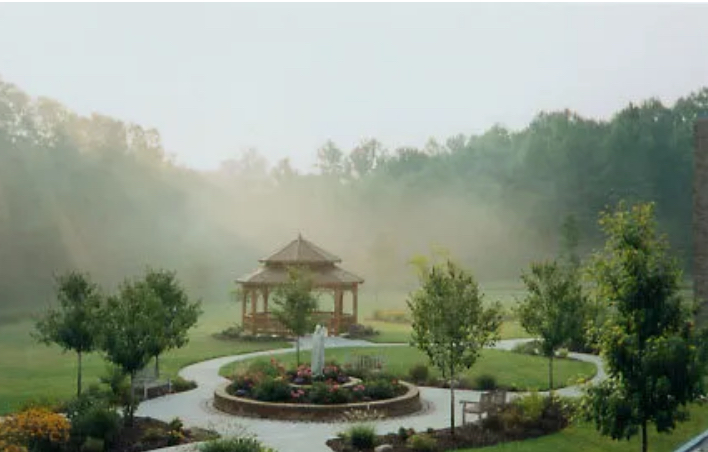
column 195, row 407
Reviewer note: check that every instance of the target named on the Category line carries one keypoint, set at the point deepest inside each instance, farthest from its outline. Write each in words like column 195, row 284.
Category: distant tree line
column 95, row 192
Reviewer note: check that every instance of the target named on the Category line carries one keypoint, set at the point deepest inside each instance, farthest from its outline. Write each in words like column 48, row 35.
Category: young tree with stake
column 450, row 323
column 294, row 304
column 176, row 314
column 74, row 326
column 553, row 308
column 128, row 324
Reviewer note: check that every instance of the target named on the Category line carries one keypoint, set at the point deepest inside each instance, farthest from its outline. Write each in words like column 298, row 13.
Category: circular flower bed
column 269, row 390
column 272, row 382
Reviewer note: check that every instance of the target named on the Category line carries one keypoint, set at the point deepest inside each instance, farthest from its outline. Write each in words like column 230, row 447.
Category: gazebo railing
column 266, row 323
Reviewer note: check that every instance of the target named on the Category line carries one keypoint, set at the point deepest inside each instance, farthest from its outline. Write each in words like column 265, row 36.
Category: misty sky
column 216, row 79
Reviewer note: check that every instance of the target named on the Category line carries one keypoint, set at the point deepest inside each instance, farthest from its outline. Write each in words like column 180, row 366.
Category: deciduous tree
column 655, row 360
column 177, row 314
column 75, row 324
column 552, row 309
column 128, row 325
column 294, row 303
column 450, row 322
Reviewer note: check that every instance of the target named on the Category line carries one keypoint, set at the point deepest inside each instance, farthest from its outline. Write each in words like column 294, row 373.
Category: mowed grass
column 521, row 371
column 584, row 438
column 31, row 371
column 390, row 333
column 505, row 292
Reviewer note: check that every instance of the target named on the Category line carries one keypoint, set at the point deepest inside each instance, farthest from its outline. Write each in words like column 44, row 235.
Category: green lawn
column 523, row 371
column 505, row 292
column 400, row 332
column 584, row 438
column 30, row 371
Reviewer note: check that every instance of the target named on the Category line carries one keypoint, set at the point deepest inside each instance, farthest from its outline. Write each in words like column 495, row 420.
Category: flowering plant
column 34, row 429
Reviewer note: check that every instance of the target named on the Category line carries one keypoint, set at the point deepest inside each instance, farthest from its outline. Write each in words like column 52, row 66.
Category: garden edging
column 405, row 404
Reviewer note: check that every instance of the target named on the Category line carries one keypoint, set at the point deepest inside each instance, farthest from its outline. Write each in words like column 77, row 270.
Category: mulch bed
column 132, row 439
column 467, row 436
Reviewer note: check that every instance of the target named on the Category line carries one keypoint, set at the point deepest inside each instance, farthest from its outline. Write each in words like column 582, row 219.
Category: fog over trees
column 96, row 193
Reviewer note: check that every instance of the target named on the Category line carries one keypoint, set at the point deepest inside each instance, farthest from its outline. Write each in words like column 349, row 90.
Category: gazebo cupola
column 326, row 276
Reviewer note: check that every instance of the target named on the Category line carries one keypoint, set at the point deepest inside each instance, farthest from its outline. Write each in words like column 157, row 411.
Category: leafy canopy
column 74, row 325
column 176, row 313
column 553, row 304
column 450, row 322
column 655, row 360
column 294, row 303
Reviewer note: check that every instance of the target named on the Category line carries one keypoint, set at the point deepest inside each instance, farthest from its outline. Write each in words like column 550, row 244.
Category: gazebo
column 326, row 277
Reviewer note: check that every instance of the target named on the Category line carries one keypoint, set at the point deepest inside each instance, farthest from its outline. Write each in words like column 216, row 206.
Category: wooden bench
column 147, row 379
column 489, row 403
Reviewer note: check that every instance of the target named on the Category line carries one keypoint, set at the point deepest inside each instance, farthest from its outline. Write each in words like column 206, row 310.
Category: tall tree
column 655, row 360
column 450, row 322
column 75, row 324
column 330, row 159
column 177, row 315
column 128, row 326
column 552, row 309
column 294, row 303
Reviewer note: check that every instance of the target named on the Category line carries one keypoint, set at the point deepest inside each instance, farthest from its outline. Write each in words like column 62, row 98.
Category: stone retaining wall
column 406, row 404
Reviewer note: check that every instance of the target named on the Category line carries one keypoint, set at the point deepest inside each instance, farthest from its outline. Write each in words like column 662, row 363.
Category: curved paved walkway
column 195, row 408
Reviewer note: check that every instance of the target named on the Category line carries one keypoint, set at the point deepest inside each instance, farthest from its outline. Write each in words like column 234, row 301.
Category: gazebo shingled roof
column 301, row 251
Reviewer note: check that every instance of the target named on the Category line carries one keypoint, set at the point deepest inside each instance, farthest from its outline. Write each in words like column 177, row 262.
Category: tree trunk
column 550, row 372
column 645, row 442
column 131, row 401
column 157, row 366
column 297, row 350
column 452, row 401
column 78, row 376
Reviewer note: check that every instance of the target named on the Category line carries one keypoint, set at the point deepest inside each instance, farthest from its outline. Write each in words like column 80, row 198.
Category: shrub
column 322, row 393
column 93, row 445
column 419, row 373
column 362, row 436
column 402, row 433
column 176, row 424
column 358, row 330
column 493, row 422
column 272, row 390
column 35, row 429
column 238, row 444
column 180, row 384
column 392, row 316
column 92, row 415
column 232, row 332
column 512, row 418
column 118, row 385
column 175, row 437
column 153, row 434
column 562, row 353
column 485, row 382
column 532, row 406
column 380, row 388
column 528, row 348
column 97, row 421
column 422, row 443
